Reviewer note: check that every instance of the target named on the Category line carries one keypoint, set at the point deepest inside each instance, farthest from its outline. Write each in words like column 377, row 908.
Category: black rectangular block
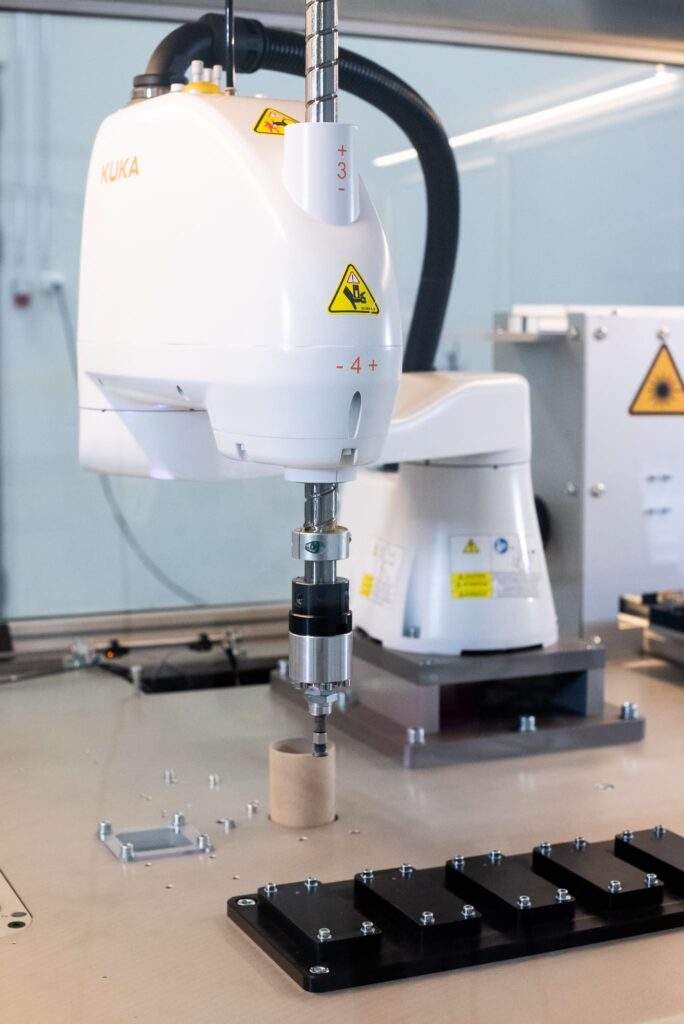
column 656, row 851
column 594, row 874
column 508, row 888
column 318, row 917
column 415, row 901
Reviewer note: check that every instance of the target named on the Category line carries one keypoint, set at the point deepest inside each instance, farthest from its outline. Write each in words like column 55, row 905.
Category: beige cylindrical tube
column 301, row 786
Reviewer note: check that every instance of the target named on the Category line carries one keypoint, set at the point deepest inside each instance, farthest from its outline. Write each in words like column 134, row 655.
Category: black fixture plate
column 397, row 951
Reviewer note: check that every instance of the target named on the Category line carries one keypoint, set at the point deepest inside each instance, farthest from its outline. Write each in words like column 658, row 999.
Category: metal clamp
column 321, row 545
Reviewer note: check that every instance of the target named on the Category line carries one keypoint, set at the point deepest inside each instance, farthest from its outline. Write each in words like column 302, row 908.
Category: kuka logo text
column 115, row 170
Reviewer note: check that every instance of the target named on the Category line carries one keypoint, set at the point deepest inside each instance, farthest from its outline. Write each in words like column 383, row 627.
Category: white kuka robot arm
column 238, row 309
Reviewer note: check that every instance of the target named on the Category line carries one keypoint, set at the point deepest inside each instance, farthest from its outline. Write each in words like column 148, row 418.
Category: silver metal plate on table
column 136, row 843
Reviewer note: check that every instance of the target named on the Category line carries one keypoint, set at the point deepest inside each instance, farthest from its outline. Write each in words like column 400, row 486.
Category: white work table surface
column 112, row 943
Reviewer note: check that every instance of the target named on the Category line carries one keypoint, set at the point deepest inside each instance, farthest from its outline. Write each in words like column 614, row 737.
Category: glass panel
column 571, row 192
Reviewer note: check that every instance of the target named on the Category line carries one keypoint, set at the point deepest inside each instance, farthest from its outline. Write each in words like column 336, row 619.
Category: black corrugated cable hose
column 258, row 46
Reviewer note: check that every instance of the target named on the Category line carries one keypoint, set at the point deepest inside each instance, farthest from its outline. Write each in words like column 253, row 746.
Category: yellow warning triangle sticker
column 352, row 294
column 273, row 122
column 471, row 548
column 662, row 390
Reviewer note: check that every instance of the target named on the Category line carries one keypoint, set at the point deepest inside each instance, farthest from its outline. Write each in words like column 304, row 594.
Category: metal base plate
column 138, row 843
column 567, row 655
column 664, row 643
column 480, row 737
column 285, row 924
column 486, row 741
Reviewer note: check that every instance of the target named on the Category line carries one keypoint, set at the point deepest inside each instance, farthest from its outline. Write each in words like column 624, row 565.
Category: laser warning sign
column 273, row 122
column 662, row 390
column 352, row 294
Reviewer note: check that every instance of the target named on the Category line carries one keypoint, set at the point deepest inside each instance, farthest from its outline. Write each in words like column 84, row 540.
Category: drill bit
column 320, row 737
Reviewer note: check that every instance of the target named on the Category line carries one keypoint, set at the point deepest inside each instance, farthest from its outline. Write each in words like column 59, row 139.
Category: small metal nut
column 627, row 835
column 427, row 917
column 270, row 888
column 319, row 969
column 495, row 856
column 615, row 886
column 468, row 911
column 405, row 869
column 527, row 723
column 651, row 880
column 127, row 851
column 367, row 928
column 246, row 902
column 178, row 821
column 367, row 875
column 524, row 902
column 458, row 862
column 415, row 736
column 629, row 711
column 311, row 883
column 104, row 829
column 659, row 831
column 580, row 842
column 545, row 848
column 324, row 935
column 563, row 896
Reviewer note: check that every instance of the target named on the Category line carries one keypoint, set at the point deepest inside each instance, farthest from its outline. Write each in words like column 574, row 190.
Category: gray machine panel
column 614, row 482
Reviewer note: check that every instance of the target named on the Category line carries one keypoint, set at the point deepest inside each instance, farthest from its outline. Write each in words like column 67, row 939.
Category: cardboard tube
column 302, row 787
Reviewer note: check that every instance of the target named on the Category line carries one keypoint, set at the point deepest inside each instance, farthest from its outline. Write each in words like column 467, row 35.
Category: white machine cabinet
column 607, row 402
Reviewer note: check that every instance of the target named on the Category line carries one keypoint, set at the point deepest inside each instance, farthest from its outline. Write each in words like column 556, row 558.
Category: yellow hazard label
column 472, row 584
column 662, row 390
column 273, row 122
column 471, row 548
column 352, row 294
column 366, row 588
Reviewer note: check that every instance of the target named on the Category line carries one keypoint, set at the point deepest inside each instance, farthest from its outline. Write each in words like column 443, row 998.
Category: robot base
column 482, row 909
column 426, row 711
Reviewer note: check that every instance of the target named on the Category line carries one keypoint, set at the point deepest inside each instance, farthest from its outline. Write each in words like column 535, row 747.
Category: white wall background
column 588, row 213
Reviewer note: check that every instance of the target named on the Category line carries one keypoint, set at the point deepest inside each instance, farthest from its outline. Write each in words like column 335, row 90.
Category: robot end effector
column 320, row 619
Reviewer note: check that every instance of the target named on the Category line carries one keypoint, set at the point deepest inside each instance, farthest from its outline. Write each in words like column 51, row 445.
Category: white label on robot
column 380, row 583
column 494, row 566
